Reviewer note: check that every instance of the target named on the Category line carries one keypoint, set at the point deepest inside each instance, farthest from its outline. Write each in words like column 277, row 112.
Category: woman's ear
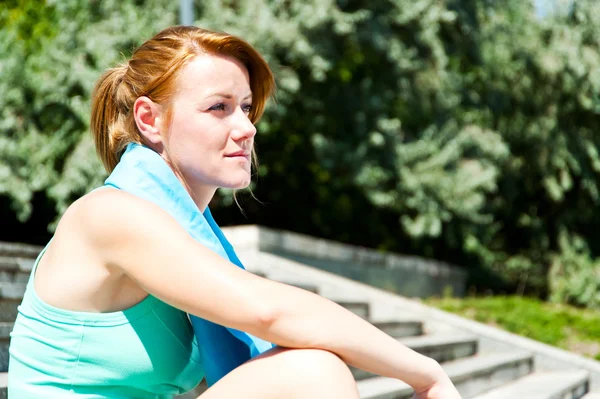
column 148, row 118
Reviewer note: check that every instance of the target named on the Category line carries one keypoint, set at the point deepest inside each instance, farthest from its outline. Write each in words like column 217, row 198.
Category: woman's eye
column 218, row 107
column 223, row 107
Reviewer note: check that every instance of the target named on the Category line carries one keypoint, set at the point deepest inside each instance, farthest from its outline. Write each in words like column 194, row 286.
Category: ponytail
column 111, row 119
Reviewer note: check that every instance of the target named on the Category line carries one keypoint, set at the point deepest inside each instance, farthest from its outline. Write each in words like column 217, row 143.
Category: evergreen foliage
column 463, row 130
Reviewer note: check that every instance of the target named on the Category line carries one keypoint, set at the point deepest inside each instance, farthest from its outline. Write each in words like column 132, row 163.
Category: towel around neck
column 142, row 172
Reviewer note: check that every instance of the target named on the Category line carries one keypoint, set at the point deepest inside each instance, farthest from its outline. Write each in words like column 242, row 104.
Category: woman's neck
column 201, row 194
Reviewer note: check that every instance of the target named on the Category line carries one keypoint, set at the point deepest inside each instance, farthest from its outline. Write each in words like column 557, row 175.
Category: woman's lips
column 239, row 154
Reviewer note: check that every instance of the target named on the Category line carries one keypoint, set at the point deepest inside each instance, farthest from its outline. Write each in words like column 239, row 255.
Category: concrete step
column 481, row 373
column 10, row 277
column 471, row 376
column 300, row 284
column 14, row 269
column 11, row 295
column 548, row 385
column 442, row 348
column 12, row 290
column 400, row 328
column 308, row 287
column 19, row 250
column 5, row 329
column 360, row 309
column 3, row 385
column 396, row 329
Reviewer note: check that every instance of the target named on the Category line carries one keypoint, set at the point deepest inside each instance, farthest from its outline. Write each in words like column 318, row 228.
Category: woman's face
column 210, row 136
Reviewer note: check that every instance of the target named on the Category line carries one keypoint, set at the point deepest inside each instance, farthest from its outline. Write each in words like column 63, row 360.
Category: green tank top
column 146, row 351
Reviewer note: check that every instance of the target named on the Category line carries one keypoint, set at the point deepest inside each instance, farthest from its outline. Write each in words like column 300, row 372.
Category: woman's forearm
column 304, row 320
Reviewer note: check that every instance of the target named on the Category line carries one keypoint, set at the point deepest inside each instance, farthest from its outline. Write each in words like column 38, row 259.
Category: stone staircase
column 16, row 261
column 481, row 366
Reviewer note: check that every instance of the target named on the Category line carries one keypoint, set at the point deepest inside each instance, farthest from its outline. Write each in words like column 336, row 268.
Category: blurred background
column 463, row 131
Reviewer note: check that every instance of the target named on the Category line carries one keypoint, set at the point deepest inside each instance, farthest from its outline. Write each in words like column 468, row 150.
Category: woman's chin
column 237, row 185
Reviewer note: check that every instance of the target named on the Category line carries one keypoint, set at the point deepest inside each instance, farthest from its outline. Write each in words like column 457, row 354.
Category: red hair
column 152, row 72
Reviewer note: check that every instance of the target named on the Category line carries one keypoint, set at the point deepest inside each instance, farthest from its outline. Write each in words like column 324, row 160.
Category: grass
column 567, row 327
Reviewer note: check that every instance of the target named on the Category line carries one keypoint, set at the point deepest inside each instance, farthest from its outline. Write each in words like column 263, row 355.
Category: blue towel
column 143, row 172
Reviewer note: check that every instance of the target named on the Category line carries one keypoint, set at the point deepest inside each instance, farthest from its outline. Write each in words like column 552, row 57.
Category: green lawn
column 577, row 330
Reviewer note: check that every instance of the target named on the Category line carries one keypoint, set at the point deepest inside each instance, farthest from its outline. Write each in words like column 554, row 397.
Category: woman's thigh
column 289, row 374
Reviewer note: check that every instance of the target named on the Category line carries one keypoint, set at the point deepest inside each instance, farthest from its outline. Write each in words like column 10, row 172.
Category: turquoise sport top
column 146, row 351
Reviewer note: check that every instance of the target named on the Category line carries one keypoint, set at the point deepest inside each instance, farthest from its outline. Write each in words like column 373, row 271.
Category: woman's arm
column 144, row 242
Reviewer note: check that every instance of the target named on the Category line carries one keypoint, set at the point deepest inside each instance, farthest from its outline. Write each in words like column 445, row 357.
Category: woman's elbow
column 264, row 316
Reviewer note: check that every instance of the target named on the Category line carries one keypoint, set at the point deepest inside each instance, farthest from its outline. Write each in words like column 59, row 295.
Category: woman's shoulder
column 95, row 204
column 107, row 214
column 103, row 211
column 101, row 222
column 102, row 197
column 106, row 203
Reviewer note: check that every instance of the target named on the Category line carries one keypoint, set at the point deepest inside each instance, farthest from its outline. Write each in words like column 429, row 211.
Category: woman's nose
column 243, row 128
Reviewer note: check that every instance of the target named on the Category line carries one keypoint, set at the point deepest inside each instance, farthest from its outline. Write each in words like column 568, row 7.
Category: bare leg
column 290, row 374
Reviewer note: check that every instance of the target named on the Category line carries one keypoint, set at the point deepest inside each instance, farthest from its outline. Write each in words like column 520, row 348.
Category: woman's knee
column 317, row 366
column 288, row 373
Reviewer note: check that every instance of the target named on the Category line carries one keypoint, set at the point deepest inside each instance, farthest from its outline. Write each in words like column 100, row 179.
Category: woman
column 103, row 315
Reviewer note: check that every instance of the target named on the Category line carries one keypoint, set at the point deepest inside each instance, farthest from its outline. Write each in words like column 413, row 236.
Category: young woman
column 106, row 310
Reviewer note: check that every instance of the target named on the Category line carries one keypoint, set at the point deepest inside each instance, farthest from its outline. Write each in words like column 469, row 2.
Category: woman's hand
column 441, row 389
